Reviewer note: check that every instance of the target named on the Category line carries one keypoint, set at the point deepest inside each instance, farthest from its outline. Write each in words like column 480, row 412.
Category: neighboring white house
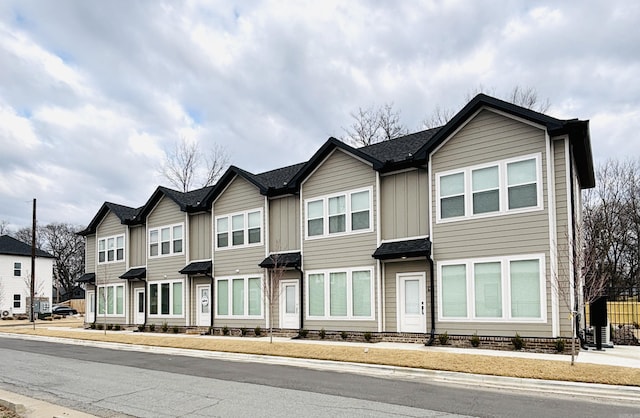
column 15, row 277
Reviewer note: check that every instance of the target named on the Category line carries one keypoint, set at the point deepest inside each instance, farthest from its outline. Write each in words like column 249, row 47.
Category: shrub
column 175, row 330
column 367, row 336
column 243, row 331
column 116, row 327
column 322, row 333
column 258, row 331
column 475, row 339
column 99, row 326
column 109, row 327
column 210, row 330
column 152, row 327
column 165, row 326
column 225, row 330
column 303, row 333
column 92, row 326
column 344, row 335
column 443, row 338
column 560, row 343
column 518, row 342
column 140, row 328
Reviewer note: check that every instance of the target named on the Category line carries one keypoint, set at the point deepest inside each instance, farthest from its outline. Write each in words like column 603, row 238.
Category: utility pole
column 33, row 262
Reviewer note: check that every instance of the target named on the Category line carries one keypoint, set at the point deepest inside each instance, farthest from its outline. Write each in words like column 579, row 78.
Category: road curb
column 18, row 408
column 591, row 391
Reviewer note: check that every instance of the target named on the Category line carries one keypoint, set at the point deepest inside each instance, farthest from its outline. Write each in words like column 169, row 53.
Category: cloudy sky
column 93, row 93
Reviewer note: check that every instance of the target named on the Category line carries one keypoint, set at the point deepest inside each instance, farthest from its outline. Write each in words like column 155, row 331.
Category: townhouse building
column 467, row 228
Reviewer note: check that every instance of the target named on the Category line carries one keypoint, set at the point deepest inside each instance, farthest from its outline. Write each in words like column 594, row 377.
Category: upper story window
column 502, row 187
column 166, row 240
column 111, row 249
column 341, row 213
column 17, row 269
column 239, row 229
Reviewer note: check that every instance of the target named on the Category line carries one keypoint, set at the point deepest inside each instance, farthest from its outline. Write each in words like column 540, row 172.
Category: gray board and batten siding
column 486, row 138
column 404, row 198
column 200, row 236
column 90, row 254
column 341, row 172
column 284, row 224
column 137, row 246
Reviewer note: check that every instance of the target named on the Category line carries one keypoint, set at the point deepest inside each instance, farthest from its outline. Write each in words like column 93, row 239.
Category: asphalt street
column 109, row 382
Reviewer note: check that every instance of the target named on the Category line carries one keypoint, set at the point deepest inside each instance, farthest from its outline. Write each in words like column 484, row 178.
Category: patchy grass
column 466, row 363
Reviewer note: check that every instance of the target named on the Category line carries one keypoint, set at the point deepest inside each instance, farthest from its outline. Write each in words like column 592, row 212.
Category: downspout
column 146, row 298
column 432, row 335
column 95, row 304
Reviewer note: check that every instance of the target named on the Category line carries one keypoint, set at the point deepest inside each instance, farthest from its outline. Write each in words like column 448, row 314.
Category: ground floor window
column 166, row 298
column 340, row 294
column 493, row 289
column 111, row 299
column 17, row 301
column 239, row 297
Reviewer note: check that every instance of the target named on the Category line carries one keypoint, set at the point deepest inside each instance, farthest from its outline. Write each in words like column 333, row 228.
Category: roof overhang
column 197, row 267
column 138, row 273
column 412, row 248
column 287, row 260
column 87, row 278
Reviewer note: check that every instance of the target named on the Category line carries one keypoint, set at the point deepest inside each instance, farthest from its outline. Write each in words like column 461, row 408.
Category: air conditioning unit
column 6, row 313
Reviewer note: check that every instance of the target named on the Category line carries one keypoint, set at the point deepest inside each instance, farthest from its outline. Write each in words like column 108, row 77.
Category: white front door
column 138, row 315
column 411, row 302
column 203, row 299
column 289, row 304
column 91, row 306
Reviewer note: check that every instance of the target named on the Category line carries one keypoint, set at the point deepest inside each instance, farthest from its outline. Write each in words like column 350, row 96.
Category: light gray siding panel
column 244, row 259
column 165, row 213
column 137, row 246
column 340, row 173
column 90, row 254
column 391, row 270
column 284, row 228
column 200, row 236
column 487, row 138
column 110, row 272
column 240, row 195
column 404, row 204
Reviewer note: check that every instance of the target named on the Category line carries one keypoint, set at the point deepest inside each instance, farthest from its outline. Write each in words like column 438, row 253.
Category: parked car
column 63, row 310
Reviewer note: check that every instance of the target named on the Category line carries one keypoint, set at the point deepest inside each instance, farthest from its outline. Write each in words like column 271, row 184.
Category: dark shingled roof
column 138, row 273
column 87, row 278
column 197, row 267
column 282, row 260
column 401, row 148
column 420, row 247
column 126, row 214
column 12, row 246
column 276, row 179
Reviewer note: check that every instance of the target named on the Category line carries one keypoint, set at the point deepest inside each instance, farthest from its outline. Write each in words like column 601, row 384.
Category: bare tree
column 372, row 125
column 64, row 243
column 271, row 286
column 526, row 97
column 186, row 166
column 4, row 227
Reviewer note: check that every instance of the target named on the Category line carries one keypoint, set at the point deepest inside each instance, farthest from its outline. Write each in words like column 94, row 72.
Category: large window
column 111, row 300
column 167, row 240
column 493, row 289
column 239, row 297
column 239, row 229
column 347, row 212
column 111, row 249
column 340, row 294
column 491, row 189
column 166, row 298
column 17, row 269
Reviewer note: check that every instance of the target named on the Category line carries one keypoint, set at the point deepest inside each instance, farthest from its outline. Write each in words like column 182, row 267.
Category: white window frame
column 230, row 280
column 171, row 298
column 17, row 267
column 115, row 249
column 158, row 230
column 503, row 189
column 327, row 294
column 115, row 300
column 505, row 273
column 348, row 214
column 245, row 229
